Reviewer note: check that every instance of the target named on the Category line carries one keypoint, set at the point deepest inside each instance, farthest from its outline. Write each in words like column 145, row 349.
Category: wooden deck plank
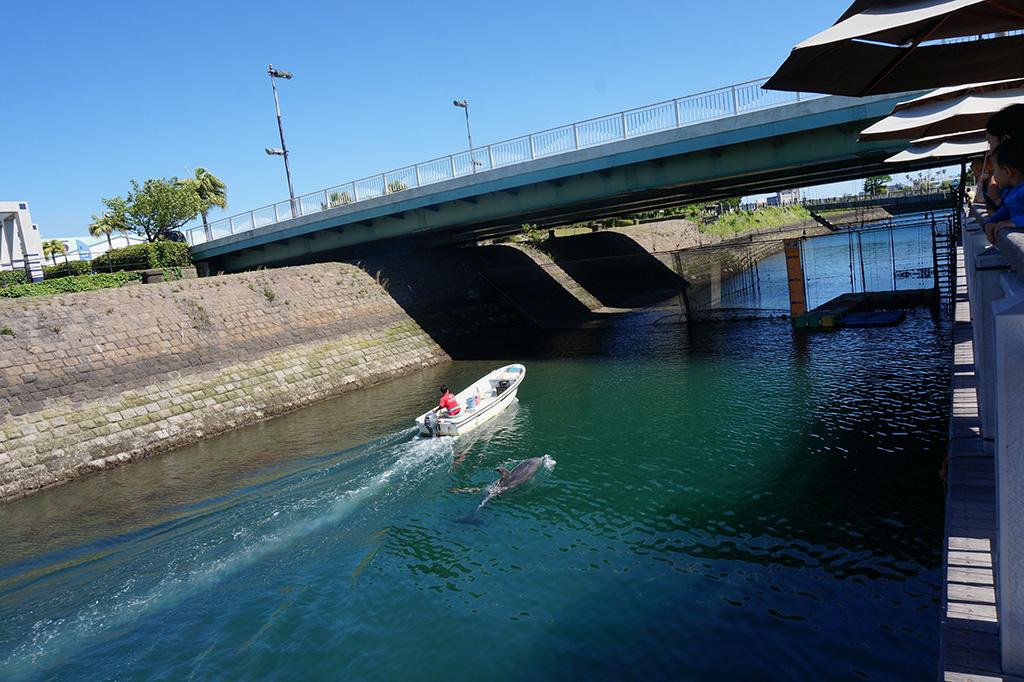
column 970, row 647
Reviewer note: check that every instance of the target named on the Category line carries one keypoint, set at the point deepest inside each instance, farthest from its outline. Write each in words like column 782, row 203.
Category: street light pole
column 283, row 151
column 464, row 104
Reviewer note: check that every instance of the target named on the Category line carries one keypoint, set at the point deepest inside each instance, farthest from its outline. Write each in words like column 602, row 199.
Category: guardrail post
column 735, row 100
column 576, row 136
column 451, row 158
column 679, row 118
column 416, row 170
column 625, row 131
column 533, row 153
column 277, row 216
column 252, row 220
column 231, row 225
column 327, row 200
column 355, row 192
column 1008, row 347
column 490, row 157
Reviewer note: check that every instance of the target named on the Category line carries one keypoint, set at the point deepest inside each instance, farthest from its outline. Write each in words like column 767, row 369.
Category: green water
column 732, row 501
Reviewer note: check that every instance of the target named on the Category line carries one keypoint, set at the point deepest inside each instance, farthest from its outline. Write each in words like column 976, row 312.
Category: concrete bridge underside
column 796, row 145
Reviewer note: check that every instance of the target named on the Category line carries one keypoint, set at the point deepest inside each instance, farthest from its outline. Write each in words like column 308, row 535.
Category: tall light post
column 283, row 150
column 464, row 104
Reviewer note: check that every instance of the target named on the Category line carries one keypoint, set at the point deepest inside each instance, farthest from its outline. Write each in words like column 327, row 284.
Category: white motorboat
column 480, row 403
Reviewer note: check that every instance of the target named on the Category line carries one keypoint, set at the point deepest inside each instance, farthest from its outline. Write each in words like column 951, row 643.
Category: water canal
column 730, row 501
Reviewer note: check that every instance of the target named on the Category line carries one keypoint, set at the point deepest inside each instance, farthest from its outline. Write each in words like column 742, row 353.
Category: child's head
column 1008, row 163
column 1005, row 124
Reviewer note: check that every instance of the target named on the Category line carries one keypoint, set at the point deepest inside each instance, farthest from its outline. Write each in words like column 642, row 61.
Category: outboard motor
column 502, row 386
column 430, row 421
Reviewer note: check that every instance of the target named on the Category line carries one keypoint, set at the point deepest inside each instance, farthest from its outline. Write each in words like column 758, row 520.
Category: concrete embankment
column 97, row 379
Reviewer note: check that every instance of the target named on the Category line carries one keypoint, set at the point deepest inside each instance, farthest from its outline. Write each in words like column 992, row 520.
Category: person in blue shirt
column 1008, row 172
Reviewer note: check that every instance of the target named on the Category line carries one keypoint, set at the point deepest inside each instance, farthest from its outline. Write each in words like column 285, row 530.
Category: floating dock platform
column 869, row 309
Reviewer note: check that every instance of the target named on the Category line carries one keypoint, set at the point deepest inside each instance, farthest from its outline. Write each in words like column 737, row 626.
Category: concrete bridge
column 737, row 140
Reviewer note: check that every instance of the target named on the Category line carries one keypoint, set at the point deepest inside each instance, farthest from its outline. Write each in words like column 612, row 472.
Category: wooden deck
column 969, row 641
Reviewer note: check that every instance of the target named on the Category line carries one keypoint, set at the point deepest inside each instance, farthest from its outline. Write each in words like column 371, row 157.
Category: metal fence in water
column 750, row 279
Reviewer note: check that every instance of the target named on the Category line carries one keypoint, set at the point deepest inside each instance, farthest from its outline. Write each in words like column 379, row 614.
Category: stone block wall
column 96, row 379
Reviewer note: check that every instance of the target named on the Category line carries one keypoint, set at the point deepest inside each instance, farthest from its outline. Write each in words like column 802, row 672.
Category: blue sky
column 100, row 93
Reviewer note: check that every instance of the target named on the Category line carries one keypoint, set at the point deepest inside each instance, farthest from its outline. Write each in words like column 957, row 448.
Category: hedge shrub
column 162, row 254
column 12, row 277
column 69, row 269
column 66, row 285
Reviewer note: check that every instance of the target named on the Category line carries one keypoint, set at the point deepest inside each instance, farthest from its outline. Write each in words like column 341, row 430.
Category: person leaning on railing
column 1008, row 173
column 1005, row 124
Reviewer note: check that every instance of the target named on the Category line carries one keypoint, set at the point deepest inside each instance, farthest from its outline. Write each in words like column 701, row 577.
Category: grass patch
column 732, row 224
column 68, row 285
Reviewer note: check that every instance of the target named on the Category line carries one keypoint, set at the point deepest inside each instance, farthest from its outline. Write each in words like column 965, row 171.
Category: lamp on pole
column 464, row 104
column 283, row 150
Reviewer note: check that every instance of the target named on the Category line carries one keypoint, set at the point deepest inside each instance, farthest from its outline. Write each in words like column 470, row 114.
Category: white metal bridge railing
column 724, row 102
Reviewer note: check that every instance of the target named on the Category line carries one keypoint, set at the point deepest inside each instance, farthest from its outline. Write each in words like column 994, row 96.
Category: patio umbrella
column 958, row 90
column 886, row 48
column 966, row 112
column 959, row 145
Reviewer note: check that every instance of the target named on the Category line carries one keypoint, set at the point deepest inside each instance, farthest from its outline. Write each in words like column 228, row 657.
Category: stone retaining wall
column 96, row 379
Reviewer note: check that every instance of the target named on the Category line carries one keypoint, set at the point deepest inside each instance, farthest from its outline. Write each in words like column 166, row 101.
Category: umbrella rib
column 903, row 55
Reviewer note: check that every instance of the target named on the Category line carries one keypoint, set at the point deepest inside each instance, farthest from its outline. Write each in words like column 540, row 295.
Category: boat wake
column 199, row 549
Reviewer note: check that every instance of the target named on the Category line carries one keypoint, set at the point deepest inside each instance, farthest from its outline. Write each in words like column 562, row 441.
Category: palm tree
column 105, row 225
column 211, row 190
column 51, row 247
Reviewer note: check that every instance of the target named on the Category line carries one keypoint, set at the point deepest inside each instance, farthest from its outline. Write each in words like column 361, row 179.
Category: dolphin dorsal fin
column 504, row 474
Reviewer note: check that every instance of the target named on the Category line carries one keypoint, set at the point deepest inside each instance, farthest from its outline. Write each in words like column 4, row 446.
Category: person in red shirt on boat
column 448, row 404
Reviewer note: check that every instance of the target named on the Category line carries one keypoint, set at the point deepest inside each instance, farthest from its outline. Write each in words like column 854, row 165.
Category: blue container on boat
column 471, row 402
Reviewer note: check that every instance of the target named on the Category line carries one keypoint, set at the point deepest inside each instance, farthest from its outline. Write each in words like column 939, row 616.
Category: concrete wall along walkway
column 93, row 380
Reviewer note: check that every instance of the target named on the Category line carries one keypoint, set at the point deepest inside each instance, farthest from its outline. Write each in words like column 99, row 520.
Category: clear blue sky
column 100, row 93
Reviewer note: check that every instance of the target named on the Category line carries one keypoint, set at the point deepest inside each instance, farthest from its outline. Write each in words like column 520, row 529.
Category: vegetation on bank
column 159, row 254
column 722, row 219
column 66, row 285
column 741, row 222
column 10, row 278
column 113, row 269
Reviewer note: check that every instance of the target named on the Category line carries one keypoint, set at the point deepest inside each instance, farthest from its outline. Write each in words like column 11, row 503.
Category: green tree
column 51, row 247
column 396, row 186
column 212, row 192
column 876, row 184
column 156, row 207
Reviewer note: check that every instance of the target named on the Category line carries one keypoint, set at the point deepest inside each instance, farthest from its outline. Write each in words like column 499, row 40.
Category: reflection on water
column 731, row 500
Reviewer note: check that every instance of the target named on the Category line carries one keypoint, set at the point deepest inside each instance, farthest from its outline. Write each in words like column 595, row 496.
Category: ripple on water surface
column 730, row 501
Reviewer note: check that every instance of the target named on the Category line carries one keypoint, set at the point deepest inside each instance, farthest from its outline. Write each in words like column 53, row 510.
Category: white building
column 20, row 245
column 786, row 197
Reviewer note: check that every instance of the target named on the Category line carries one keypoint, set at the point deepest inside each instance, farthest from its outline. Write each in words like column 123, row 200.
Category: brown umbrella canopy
column 957, row 91
column 899, row 22
column 942, row 116
column 858, row 69
column 885, row 48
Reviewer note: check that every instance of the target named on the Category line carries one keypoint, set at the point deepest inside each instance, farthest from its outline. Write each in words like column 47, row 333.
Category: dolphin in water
column 523, row 472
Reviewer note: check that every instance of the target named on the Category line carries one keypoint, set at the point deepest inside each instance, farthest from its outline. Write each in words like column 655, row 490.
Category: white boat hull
column 491, row 405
